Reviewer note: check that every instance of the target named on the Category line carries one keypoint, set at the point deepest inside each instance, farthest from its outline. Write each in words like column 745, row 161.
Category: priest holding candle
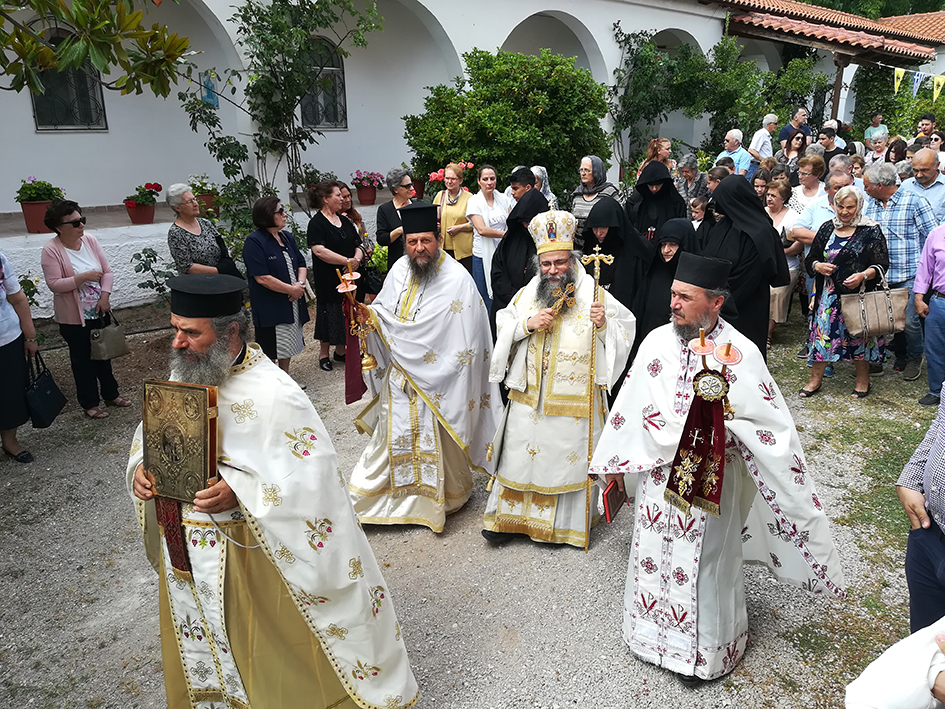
column 434, row 411
column 698, row 429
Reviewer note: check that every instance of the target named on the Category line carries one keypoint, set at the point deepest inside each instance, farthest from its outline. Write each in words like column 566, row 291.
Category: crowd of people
column 516, row 339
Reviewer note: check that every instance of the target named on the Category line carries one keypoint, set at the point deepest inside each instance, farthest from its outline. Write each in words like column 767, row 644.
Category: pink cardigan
column 60, row 277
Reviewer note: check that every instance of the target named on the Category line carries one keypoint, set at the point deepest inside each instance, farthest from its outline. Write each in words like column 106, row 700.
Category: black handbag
column 43, row 397
column 108, row 341
column 226, row 264
column 371, row 279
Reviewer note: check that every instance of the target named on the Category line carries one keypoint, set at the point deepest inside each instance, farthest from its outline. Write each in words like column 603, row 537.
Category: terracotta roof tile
column 844, row 20
column 927, row 24
column 864, row 40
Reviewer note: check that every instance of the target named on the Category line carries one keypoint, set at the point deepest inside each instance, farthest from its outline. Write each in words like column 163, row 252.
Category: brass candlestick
column 358, row 329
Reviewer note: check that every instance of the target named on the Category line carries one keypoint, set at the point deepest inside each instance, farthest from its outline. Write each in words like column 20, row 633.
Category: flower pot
column 418, row 187
column 367, row 196
column 33, row 213
column 207, row 203
column 141, row 213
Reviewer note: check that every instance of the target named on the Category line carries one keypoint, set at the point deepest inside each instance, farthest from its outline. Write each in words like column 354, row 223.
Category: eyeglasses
column 281, row 210
column 192, row 200
column 804, row 174
column 75, row 222
column 585, row 169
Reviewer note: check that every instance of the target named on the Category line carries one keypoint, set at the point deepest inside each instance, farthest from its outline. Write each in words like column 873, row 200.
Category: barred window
column 73, row 98
column 325, row 105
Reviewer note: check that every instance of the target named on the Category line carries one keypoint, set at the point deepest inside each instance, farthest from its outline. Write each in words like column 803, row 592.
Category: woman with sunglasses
column 938, row 145
column 276, row 273
column 80, row 278
column 389, row 227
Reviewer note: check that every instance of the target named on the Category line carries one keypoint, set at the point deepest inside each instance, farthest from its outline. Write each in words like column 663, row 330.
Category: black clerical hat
column 702, row 271
column 418, row 217
column 206, row 295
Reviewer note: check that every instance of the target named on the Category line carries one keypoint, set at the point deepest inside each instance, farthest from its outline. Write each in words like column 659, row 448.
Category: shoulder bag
column 879, row 312
column 226, row 264
column 44, row 400
column 108, row 342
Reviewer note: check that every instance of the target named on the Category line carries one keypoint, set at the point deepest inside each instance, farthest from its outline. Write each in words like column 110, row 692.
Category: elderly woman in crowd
column 487, row 211
column 777, row 196
column 456, row 232
column 335, row 246
column 794, row 149
column 276, row 272
column 845, row 253
column 543, row 186
column 195, row 244
column 810, row 188
column 593, row 185
column 80, row 278
column 389, row 228
column 691, row 183
column 17, row 342
column 878, row 145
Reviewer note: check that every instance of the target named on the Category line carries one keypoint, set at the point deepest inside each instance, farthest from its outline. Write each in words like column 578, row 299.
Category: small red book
column 614, row 499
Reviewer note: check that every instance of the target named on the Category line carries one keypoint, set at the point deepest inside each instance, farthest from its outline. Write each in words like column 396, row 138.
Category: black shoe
column 497, row 537
column 803, row 352
column 929, row 400
column 325, row 364
column 899, row 364
column 24, row 456
column 876, row 369
column 339, row 358
column 912, row 370
column 690, row 681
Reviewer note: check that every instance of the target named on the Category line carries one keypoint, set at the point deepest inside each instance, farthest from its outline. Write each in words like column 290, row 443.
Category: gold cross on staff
column 565, row 297
column 596, row 259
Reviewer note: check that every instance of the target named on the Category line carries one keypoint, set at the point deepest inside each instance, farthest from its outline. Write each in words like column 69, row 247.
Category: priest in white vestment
column 435, row 411
column 270, row 596
column 540, row 454
column 684, row 605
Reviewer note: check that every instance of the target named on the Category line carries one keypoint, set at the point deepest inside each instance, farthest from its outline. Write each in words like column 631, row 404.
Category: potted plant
column 34, row 196
column 306, row 178
column 367, row 183
column 206, row 193
column 140, row 205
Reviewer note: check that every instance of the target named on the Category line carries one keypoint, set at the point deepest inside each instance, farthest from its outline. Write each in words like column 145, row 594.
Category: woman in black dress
column 390, row 232
column 335, row 245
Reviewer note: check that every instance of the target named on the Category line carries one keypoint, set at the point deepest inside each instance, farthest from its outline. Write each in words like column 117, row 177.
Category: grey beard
column 545, row 291
column 208, row 369
column 425, row 272
column 690, row 332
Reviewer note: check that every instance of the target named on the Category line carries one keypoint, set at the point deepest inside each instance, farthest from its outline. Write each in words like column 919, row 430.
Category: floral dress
column 829, row 339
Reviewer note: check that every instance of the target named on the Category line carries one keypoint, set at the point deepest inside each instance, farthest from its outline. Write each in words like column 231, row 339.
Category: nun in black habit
column 655, row 200
column 607, row 227
column 744, row 236
column 512, row 264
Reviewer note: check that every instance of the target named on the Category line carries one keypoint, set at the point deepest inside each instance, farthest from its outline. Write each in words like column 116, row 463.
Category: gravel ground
column 524, row 625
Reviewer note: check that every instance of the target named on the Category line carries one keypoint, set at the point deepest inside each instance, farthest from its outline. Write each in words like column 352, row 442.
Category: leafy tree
column 512, row 109
column 109, row 34
column 881, row 8
column 901, row 112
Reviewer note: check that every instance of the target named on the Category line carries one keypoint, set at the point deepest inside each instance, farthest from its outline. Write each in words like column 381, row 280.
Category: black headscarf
column 738, row 201
column 660, row 274
column 624, row 277
column 645, row 209
column 599, row 173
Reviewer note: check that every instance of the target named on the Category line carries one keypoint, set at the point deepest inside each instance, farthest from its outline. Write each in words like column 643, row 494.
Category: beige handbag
column 879, row 312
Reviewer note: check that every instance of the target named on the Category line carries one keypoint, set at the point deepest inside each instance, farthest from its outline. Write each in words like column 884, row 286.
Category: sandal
column 119, row 401
column 857, row 394
column 769, row 343
column 808, row 393
column 96, row 413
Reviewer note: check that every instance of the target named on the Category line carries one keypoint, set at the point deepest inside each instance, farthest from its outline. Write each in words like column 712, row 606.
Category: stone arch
column 764, row 54
column 563, row 34
column 671, row 38
column 440, row 36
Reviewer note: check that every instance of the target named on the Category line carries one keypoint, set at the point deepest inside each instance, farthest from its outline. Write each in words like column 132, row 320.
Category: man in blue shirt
column 928, row 182
column 734, row 150
column 798, row 121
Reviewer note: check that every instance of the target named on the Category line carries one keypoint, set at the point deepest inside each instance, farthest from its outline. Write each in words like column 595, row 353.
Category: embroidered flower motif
column 654, row 368
column 766, row 437
column 191, row 629
column 271, row 495
column 337, row 632
column 573, row 458
column 730, row 377
column 244, row 411
column 456, row 306
column 318, row 532
column 310, row 600
column 393, row 702
column 429, row 357
column 649, row 565
column 285, row 555
column 652, row 418
column 816, row 501
column 658, row 475
column 301, row 442
column 798, row 469
column 364, row 671
column 356, row 570
column 768, row 392
column 775, row 560
column 203, row 537
column 465, row 357
column 485, row 401
column 377, row 598
column 680, row 576
column 617, row 420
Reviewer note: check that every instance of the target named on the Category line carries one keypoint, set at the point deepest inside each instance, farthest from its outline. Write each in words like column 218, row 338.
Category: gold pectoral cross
column 565, row 297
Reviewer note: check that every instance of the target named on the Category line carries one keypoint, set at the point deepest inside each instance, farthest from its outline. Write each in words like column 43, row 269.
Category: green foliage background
column 512, row 109
column 874, row 92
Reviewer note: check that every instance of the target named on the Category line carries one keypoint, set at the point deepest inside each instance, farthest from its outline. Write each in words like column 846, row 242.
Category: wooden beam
column 841, row 61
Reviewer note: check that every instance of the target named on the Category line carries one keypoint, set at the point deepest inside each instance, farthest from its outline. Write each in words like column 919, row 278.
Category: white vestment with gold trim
column 276, row 455
column 684, row 604
column 540, row 450
column 435, row 411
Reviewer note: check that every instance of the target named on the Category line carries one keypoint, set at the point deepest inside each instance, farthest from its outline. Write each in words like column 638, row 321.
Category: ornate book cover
column 180, row 437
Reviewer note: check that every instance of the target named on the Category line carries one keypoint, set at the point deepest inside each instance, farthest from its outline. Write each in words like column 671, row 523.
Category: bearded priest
column 719, row 478
column 270, row 595
column 543, row 353
column 434, row 411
